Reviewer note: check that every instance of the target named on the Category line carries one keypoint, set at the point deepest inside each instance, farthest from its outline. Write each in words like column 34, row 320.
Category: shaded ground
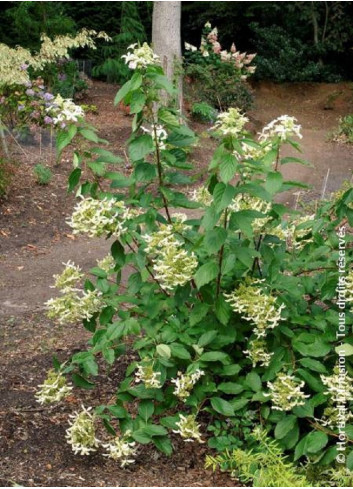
column 35, row 240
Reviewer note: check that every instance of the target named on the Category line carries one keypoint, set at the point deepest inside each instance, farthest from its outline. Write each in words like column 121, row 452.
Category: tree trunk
column 166, row 38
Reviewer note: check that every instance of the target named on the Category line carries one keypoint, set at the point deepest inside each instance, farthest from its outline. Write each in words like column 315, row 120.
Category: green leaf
column 141, row 436
column 344, row 350
column 179, row 351
column 223, row 195
column 230, row 370
column 273, row 182
column 230, row 388
column 109, row 355
column 167, row 117
column 64, row 138
column 223, row 310
column 315, row 441
column 169, row 422
column 163, row 351
column 315, row 348
column 238, row 404
column 146, row 409
column 222, row 406
column 228, row 167
column 163, row 444
column 145, row 172
column 123, row 91
column 215, row 356
column 140, row 147
column 214, row 239
column 155, row 430
column 198, row 313
column 292, row 159
column 312, row 381
column 349, row 461
column 89, row 135
column 253, row 381
column 74, row 179
column 82, row 382
column 206, row 273
column 137, row 102
column 207, row 338
column 313, row 365
column 285, row 426
column 118, row 412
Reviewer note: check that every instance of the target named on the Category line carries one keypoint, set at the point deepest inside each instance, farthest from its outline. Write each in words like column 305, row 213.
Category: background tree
column 166, row 39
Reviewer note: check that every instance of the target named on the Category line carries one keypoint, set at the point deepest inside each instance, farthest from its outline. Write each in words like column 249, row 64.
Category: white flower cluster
column 286, row 393
column 74, row 304
column 251, row 152
column 184, row 383
column 230, row 123
column 121, row 449
column 73, row 307
column 339, row 386
column 244, row 202
column 148, row 376
column 97, row 217
column 81, row 434
column 188, row 428
column 107, row 263
column 258, row 353
column 202, row 196
column 64, row 111
column 67, row 280
column 294, row 234
column 166, row 234
column 140, row 57
column 173, row 265
column 54, row 389
column 282, row 128
column 159, row 135
column 254, row 305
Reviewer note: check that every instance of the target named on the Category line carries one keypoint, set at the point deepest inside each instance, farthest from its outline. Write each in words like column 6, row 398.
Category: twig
column 325, row 185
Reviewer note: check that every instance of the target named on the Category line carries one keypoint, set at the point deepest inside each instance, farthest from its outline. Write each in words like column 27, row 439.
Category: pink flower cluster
column 210, row 44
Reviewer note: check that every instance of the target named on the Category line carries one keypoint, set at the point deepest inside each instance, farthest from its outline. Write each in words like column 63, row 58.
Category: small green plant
column 344, row 132
column 89, row 108
column 43, row 174
column 265, row 466
column 203, row 112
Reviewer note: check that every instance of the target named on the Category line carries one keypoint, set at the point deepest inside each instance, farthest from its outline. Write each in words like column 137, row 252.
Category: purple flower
column 20, row 107
column 35, row 114
column 48, row 120
column 48, row 96
column 24, row 66
column 62, row 76
column 41, row 87
column 2, row 100
column 30, row 92
column 28, row 84
column 63, row 125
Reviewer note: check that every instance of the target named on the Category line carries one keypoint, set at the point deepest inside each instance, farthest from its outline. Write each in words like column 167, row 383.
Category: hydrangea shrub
column 231, row 312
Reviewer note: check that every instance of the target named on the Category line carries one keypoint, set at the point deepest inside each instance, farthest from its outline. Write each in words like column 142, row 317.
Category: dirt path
column 35, row 240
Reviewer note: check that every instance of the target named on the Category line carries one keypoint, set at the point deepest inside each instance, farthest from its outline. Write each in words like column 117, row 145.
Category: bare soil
column 35, row 240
